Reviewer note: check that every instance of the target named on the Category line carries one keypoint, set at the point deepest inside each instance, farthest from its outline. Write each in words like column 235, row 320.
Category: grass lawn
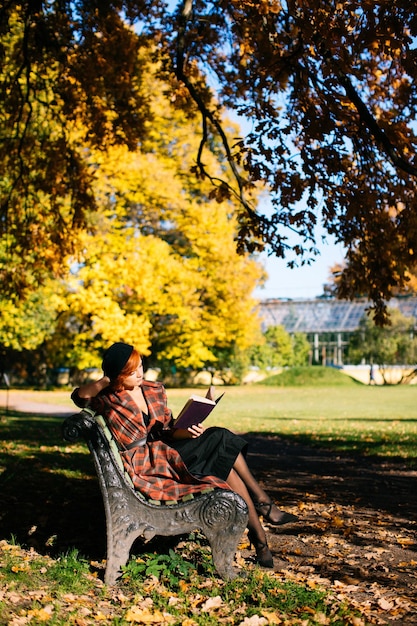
column 43, row 585
column 369, row 420
column 331, row 411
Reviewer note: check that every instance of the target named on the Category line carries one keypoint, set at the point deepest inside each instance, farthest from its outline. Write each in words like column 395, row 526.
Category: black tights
column 243, row 482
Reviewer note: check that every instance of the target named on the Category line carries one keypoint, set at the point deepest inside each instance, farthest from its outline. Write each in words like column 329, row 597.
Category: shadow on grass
column 49, row 494
column 50, row 497
column 292, row 466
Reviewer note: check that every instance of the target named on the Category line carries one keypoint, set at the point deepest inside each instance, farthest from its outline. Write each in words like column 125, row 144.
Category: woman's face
column 135, row 378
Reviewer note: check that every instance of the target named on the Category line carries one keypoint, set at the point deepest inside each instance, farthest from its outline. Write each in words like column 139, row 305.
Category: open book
column 196, row 409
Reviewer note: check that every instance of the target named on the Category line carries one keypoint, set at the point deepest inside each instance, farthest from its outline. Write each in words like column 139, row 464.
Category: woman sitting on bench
column 166, row 463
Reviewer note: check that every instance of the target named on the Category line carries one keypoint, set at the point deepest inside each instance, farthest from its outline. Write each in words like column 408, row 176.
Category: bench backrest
column 104, row 449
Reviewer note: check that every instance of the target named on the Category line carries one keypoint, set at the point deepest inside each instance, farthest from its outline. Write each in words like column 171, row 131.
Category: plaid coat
column 156, row 469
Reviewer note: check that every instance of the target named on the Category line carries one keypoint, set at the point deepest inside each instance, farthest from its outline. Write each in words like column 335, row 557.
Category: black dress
column 211, row 454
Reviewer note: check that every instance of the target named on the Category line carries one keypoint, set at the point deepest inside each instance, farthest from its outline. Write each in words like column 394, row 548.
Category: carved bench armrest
column 78, row 426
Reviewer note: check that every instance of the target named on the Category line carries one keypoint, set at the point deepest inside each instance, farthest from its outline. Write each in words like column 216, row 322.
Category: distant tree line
column 395, row 344
column 382, row 347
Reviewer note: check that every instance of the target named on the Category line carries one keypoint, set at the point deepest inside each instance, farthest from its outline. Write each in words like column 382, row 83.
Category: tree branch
column 207, row 115
column 366, row 116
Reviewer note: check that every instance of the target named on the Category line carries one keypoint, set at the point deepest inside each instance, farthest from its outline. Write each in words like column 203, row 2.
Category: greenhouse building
column 327, row 322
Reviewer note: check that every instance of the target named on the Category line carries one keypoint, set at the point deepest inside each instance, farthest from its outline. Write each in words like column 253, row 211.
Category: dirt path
column 25, row 401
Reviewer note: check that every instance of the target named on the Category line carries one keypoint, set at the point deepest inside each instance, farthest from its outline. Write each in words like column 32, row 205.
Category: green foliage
column 395, row 344
column 301, row 348
column 231, row 363
column 265, row 592
column 277, row 351
column 25, row 325
column 68, row 572
column 168, row 568
column 280, row 349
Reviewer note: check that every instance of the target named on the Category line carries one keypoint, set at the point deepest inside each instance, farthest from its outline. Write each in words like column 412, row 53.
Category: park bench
column 221, row 515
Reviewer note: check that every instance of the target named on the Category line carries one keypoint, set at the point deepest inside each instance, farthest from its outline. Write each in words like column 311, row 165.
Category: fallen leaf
column 184, row 586
column 385, row 604
column 255, row 620
column 100, row 617
column 338, row 522
column 405, row 541
column 19, row 621
column 41, row 615
column 212, row 603
column 272, row 617
column 143, row 616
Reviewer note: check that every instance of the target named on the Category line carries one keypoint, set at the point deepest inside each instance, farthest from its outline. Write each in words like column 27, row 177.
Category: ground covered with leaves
column 351, row 559
column 357, row 529
column 37, row 589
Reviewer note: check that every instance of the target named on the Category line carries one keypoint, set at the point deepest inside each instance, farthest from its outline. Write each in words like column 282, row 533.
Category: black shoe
column 264, row 509
column 263, row 553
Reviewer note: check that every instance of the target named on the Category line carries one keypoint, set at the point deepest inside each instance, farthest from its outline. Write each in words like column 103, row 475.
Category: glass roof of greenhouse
column 322, row 315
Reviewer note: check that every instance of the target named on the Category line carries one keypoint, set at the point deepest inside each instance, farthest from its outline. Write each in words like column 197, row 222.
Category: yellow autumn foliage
column 159, row 267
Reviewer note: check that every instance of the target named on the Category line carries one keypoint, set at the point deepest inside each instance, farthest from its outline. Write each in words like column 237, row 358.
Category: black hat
column 115, row 358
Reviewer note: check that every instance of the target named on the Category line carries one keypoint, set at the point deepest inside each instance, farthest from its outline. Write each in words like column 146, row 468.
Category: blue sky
column 302, row 282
